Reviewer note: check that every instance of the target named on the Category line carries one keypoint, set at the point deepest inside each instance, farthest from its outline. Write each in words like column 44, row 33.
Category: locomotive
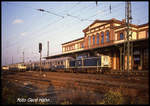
column 90, row 64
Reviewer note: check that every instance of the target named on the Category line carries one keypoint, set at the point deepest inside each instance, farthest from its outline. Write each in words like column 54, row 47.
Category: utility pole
column 47, row 48
column 23, row 56
column 30, row 65
column 128, row 21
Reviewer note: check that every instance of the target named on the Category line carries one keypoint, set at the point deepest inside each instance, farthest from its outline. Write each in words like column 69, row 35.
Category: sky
column 23, row 26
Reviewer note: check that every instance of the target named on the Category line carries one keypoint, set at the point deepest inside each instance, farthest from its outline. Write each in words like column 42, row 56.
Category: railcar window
column 62, row 62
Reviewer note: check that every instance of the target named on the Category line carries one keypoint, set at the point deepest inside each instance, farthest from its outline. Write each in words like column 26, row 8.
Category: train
column 67, row 64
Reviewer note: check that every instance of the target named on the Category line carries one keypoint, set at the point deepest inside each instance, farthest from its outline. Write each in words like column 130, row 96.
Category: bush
column 112, row 98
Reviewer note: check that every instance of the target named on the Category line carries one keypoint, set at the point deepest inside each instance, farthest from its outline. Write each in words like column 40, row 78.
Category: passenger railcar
column 17, row 67
column 5, row 68
column 57, row 64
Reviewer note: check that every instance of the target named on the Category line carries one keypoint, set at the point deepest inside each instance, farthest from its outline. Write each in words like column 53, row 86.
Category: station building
column 108, row 37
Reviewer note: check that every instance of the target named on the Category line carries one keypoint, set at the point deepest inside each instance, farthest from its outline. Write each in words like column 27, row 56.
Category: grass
column 116, row 97
column 112, row 98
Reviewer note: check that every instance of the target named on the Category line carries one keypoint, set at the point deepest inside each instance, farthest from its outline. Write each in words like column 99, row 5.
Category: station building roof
column 91, row 49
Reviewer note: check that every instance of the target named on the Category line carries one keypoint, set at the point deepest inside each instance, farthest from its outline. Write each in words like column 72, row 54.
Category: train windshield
column 81, row 56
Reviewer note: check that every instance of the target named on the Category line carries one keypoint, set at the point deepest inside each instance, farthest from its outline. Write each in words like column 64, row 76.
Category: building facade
column 108, row 37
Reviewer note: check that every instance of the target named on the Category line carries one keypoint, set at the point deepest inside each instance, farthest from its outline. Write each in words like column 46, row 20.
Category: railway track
column 57, row 83
column 84, row 78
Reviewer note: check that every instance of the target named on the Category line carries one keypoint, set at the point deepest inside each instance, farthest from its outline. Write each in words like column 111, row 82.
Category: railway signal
column 40, row 50
column 40, row 47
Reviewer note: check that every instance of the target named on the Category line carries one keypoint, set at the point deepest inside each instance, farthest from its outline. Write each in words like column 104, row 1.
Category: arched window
column 82, row 45
column 97, row 38
column 102, row 36
column 93, row 40
column 107, row 36
column 89, row 40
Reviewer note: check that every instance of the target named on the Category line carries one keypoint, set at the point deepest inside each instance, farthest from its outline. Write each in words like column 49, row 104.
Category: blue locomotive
column 90, row 64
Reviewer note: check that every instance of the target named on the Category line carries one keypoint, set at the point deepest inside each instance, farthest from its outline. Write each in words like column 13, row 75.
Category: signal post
column 40, row 50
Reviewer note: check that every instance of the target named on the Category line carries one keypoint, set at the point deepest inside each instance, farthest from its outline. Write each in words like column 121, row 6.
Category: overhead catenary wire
column 68, row 15
column 81, row 19
column 73, row 7
column 42, row 10
column 40, row 28
column 46, row 25
column 33, row 35
column 57, row 21
column 103, row 11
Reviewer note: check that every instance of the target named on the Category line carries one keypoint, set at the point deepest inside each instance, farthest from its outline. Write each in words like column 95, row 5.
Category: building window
column 73, row 47
column 70, row 47
column 102, row 35
column 121, row 36
column 97, row 38
column 107, row 36
column 65, row 48
column 82, row 45
column 89, row 40
column 93, row 40
column 78, row 45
